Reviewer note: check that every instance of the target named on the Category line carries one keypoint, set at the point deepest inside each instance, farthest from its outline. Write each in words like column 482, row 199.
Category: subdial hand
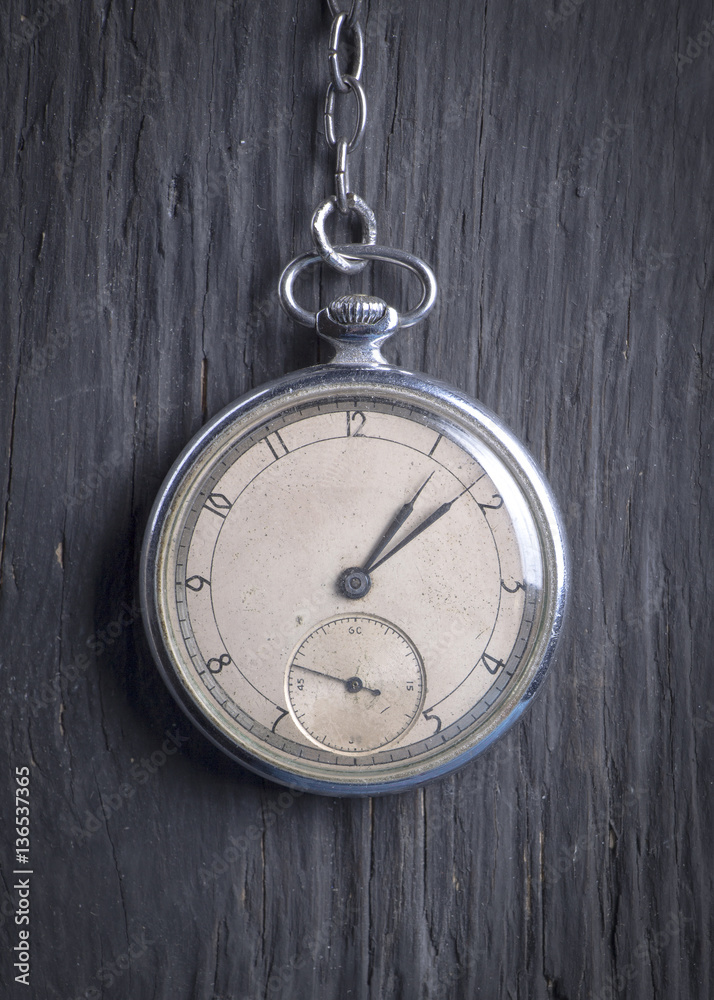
column 352, row 684
column 426, row 523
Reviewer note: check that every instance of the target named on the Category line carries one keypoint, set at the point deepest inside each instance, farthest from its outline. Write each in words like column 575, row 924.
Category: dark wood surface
column 160, row 162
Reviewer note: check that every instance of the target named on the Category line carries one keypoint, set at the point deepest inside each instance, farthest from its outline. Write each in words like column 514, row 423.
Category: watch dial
column 350, row 589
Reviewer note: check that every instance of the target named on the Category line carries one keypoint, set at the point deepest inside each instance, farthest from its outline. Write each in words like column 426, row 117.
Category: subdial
column 355, row 684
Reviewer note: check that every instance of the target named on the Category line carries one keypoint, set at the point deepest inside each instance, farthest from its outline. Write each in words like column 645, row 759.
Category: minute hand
column 393, row 528
column 426, row 523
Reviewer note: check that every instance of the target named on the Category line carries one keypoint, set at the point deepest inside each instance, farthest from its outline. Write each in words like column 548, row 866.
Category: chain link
column 354, row 11
column 357, row 89
column 345, row 80
column 323, row 245
column 342, row 177
column 333, row 52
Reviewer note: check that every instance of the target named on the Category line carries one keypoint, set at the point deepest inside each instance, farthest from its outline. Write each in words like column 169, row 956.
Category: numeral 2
column 493, row 506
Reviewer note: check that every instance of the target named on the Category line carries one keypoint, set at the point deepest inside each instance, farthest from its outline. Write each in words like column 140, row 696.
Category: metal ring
column 322, row 244
column 358, row 90
column 342, row 178
column 354, row 13
column 334, row 48
column 359, row 250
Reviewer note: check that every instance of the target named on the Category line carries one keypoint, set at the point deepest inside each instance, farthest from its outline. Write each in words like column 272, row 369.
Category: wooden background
column 552, row 159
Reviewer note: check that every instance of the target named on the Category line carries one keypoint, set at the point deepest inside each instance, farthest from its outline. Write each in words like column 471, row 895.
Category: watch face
column 353, row 579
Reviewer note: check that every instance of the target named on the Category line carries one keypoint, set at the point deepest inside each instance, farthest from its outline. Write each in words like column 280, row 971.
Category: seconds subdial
column 355, row 684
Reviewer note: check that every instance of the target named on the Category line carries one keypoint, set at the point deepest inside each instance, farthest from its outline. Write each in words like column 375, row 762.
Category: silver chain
column 344, row 81
column 350, row 258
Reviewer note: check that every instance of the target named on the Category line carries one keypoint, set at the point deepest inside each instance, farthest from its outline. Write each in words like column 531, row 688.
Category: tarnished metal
column 357, row 309
column 323, row 245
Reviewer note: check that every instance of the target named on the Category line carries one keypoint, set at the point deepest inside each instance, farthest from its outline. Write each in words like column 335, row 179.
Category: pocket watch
column 354, row 577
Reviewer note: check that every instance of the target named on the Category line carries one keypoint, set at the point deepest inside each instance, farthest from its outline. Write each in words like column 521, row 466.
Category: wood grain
column 553, row 162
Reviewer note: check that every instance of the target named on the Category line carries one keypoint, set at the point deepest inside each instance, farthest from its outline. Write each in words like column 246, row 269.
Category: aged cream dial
column 280, row 519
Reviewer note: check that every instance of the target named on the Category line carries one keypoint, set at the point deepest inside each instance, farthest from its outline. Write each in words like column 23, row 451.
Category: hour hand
column 355, row 582
column 393, row 528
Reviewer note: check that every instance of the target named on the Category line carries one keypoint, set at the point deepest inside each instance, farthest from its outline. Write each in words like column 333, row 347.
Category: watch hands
column 355, row 582
column 352, row 684
column 393, row 528
column 426, row 523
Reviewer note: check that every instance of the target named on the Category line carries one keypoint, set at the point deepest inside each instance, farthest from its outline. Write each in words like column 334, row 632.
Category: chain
column 345, row 81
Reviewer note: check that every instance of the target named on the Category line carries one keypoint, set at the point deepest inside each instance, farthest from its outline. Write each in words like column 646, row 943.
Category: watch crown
column 356, row 326
column 357, row 310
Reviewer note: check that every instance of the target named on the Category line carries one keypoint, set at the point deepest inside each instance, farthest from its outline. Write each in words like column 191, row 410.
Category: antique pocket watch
column 354, row 577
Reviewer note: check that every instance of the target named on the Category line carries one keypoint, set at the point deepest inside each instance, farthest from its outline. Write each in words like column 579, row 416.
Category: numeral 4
column 491, row 664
